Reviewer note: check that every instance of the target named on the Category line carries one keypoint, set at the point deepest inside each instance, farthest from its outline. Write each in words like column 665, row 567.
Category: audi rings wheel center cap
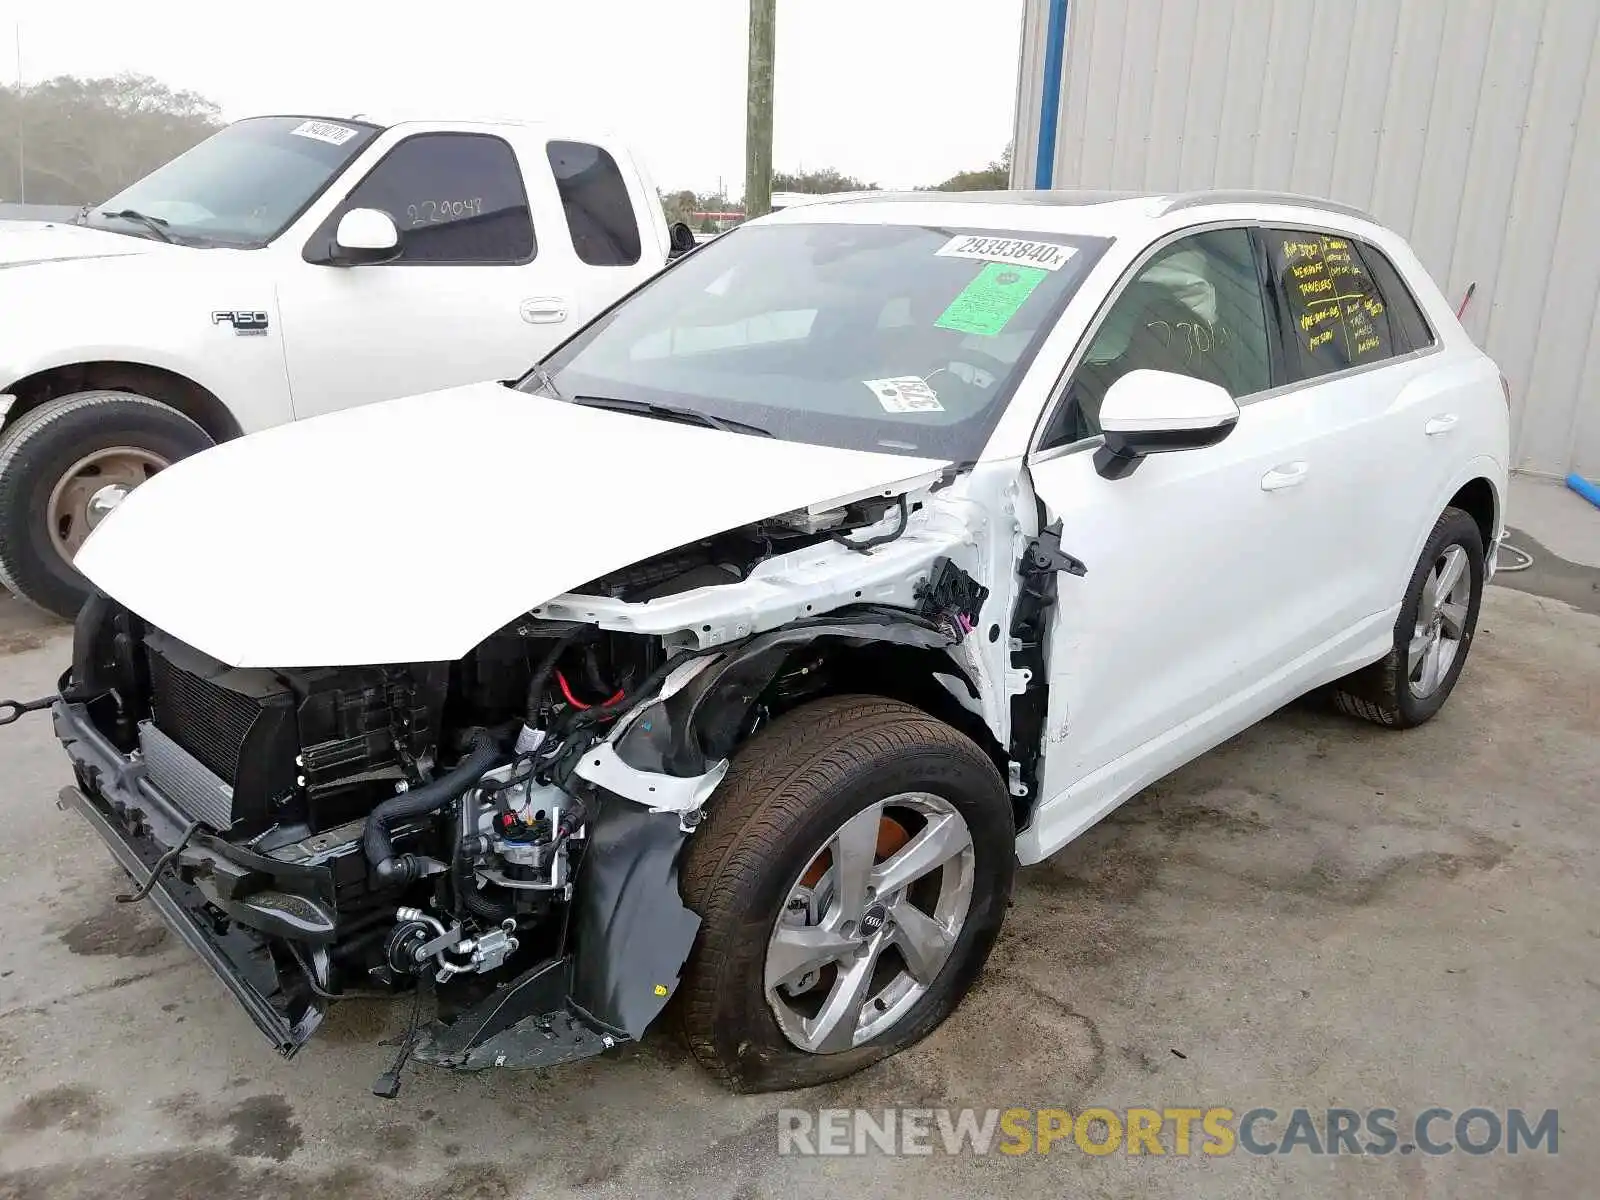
column 873, row 920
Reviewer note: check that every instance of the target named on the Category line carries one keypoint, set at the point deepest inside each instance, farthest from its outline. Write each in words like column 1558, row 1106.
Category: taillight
column 1505, row 387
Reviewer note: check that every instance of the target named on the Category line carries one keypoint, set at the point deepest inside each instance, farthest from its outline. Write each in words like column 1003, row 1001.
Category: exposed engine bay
column 500, row 831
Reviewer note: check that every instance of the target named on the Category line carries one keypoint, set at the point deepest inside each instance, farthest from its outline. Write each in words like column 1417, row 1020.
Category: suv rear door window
column 1334, row 315
column 605, row 232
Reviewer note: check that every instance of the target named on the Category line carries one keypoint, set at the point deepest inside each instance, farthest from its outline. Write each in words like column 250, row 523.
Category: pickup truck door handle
column 544, row 310
column 1285, row 475
column 1443, row 423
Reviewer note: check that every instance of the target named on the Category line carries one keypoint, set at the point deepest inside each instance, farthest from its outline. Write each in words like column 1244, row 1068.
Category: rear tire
column 48, row 463
column 1431, row 640
column 787, row 799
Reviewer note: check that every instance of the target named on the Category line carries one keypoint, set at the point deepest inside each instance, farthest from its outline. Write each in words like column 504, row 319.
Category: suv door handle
column 544, row 310
column 1285, row 475
column 1443, row 423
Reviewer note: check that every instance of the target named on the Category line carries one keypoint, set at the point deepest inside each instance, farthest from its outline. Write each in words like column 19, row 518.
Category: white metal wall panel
column 1471, row 125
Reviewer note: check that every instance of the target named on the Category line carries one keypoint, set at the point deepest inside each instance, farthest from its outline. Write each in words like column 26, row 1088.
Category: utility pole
column 22, row 125
column 758, row 120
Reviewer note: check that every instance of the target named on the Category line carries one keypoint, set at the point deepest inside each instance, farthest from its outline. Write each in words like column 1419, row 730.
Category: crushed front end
column 505, row 830
column 325, row 833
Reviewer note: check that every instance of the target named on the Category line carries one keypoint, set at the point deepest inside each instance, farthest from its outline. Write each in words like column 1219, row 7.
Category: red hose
column 566, row 691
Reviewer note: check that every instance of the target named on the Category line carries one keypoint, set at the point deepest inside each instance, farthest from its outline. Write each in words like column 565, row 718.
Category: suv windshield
column 242, row 186
column 900, row 338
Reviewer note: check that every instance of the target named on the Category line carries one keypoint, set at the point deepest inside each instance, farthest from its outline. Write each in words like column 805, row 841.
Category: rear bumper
column 138, row 825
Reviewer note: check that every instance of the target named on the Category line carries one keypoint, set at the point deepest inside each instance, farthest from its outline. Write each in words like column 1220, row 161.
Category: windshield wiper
column 542, row 374
column 155, row 225
column 666, row 412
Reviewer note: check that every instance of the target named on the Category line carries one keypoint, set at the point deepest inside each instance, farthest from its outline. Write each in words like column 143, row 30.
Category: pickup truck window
column 243, row 185
column 901, row 338
column 600, row 216
column 455, row 198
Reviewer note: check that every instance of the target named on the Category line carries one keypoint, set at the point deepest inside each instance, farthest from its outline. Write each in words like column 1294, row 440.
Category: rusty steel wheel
column 91, row 488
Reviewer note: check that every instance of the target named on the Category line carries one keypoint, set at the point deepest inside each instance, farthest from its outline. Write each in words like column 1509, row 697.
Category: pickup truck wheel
column 851, row 876
column 63, row 467
column 1431, row 636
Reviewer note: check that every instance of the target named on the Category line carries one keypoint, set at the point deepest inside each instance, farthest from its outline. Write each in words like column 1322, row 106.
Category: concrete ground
column 1317, row 914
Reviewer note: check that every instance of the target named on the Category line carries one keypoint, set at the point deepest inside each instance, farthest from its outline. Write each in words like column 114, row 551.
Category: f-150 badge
column 245, row 324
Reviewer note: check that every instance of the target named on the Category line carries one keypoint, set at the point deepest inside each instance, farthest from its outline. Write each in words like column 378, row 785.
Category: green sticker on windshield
column 987, row 303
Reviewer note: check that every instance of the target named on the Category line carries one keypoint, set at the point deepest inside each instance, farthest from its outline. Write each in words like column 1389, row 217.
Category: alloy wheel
column 868, row 925
column 1441, row 622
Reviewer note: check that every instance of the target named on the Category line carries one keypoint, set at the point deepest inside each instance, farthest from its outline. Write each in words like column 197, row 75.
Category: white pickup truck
column 285, row 267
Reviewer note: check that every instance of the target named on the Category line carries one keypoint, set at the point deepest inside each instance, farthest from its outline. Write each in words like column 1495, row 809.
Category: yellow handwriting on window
column 1319, row 316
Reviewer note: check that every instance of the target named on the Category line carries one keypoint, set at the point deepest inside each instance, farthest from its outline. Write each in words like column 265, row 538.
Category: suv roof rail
column 1254, row 196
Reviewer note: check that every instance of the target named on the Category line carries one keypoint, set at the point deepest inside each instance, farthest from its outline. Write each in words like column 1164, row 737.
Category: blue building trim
column 1055, row 46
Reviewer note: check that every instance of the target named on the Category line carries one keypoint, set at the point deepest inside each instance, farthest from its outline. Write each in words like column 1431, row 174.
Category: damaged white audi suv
column 722, row 669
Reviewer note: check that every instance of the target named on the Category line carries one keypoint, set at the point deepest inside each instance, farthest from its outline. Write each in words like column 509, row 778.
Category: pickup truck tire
column 771, row 830
column 50, row 461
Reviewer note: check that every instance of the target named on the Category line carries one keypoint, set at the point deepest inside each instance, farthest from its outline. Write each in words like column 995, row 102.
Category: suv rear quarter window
column 1405, row 313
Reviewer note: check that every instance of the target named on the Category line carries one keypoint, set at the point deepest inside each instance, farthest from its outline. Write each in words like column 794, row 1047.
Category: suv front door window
column 1195, row 308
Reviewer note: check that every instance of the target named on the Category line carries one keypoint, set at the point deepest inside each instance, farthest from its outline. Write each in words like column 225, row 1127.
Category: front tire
column 63, row 465
column 851, row 878
column 1432, row 635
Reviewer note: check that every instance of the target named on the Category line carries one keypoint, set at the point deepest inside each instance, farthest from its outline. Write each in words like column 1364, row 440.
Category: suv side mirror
column 365, row 235
column 1152, row 412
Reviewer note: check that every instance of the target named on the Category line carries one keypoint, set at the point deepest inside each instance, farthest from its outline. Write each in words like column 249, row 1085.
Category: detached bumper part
column 139, row 825
column 631, row 932
column 177, row 902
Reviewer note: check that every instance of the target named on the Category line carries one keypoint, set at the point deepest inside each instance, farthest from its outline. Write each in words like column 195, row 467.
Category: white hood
column 26, row 243
column 409, row 531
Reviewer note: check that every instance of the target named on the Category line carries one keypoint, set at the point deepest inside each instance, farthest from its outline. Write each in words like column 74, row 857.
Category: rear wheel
column 63, row 467
column 1432, row 635
column 851, row 878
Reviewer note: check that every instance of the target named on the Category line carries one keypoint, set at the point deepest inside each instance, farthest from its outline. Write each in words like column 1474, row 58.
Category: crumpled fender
column 689, row 732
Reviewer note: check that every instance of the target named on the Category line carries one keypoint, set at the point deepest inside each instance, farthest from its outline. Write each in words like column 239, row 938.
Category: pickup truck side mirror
column 364, row 235
column 683, row 239
column 1152, row 412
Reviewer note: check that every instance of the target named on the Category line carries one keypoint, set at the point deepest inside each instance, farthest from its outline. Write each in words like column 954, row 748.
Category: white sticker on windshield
column 325, row 131
column 1049, row 255
column 904, row 394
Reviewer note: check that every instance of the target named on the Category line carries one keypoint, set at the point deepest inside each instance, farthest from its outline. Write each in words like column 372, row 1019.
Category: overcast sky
column 900, row 92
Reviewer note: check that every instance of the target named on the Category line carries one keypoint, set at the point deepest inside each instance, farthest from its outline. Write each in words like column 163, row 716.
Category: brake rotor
column 891, row 836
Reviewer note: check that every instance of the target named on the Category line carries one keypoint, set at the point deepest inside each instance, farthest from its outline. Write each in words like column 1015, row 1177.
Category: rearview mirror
column 1153, row 412
column 365, row 235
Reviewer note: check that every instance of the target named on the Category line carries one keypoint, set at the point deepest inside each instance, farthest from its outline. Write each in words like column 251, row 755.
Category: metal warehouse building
column 1473, row 126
